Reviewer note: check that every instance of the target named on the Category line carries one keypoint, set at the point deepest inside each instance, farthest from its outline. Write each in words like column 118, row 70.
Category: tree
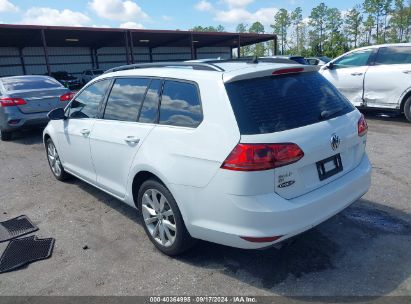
column 333, row 25
column 352, row 22
column 199, row 28
column 258, row 28
column 297, row 22
column 378, row 9
column 369, row 25
column 399, row 21
column 317, row 21
column 282, row 21
column 245, row 50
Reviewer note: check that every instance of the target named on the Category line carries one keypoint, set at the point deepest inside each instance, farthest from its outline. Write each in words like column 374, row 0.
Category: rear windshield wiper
column 328, row 113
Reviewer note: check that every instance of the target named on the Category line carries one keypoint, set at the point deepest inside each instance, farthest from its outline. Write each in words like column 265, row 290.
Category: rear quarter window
column 279, row 103
column 180, row 104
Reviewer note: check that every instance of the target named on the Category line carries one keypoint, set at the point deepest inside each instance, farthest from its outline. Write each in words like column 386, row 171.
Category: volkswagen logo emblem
column 335, row 142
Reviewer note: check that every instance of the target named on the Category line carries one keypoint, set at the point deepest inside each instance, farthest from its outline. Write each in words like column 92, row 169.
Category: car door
column 347, row 74
column 73, row 136
column 389, row 77
column 116, row 138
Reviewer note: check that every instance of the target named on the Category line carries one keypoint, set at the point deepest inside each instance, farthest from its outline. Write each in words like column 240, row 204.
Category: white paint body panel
column 385, row 85
column 218, row 205
column 374, row 86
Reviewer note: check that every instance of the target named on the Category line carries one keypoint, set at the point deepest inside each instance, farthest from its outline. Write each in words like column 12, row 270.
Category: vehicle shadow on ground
column 28, row 137
column 386, row 116
column 346, row 255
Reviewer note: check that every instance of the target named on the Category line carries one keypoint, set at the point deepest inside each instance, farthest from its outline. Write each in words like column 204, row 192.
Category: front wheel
column 407, row 109
column 55, row 162
column 162, row 219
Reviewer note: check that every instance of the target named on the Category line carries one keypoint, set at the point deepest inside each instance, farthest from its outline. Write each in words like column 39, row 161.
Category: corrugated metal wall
column 77, row 59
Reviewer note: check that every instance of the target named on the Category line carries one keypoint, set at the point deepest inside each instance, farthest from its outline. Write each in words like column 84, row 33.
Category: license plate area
column 329, row 166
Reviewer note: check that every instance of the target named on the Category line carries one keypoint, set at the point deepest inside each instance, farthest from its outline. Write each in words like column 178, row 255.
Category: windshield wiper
column 328, row 113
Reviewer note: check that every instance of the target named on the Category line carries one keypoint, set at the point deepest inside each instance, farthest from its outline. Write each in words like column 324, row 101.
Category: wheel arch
column 404, row 99
column 138, row 179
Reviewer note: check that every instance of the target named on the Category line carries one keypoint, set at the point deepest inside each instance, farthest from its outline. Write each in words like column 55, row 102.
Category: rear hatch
column 41, row 94
column 298, row 106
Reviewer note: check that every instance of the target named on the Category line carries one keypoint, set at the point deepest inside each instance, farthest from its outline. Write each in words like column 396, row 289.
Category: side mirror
column 57, row 114
column 330, row 65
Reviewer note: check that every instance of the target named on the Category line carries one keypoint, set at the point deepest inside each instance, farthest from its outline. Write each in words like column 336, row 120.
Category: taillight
column 362, row 126
column 256, row 157
column 67, row 96
column 11, row 102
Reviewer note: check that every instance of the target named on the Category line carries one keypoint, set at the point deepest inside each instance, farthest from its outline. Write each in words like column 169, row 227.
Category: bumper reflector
column 261, row 239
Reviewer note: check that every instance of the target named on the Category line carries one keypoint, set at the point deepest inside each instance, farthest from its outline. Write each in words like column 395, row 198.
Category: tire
column 5, row 136
column 158, row 225
column 54, row 161
column 407, row 109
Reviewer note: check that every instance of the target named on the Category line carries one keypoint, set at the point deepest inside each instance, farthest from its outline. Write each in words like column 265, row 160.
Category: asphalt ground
column 363, row 251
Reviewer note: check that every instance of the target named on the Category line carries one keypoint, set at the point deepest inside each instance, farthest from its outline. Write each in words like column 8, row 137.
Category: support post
column 23, row 65
column 127, row 48
column 192, row 47
column 92, row 58
column 239, row 46
column 150, row 50
column 46, row 53
column 275, row 46
column 96, row 59
column 131, row 47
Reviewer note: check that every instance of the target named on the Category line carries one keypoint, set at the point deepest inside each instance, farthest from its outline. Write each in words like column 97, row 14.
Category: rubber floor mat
column 20, row 252
column 16, row 227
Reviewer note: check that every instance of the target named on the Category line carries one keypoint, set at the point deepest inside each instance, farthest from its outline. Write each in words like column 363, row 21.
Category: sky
column 153, row 14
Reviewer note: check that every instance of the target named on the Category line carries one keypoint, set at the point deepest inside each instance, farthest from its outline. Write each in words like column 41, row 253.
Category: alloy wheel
column 159, row 217
column 54, row 159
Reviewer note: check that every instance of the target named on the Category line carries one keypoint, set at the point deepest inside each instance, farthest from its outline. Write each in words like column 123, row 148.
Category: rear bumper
column 223, row 218
column 21, row 120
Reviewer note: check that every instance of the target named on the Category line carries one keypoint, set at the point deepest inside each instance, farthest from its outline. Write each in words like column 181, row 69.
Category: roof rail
column 195, row 65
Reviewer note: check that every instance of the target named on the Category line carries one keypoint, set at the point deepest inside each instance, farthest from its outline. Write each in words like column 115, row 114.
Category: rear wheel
column 162, row 219
column 407, row 109
column 5, row 135
column 54, row 161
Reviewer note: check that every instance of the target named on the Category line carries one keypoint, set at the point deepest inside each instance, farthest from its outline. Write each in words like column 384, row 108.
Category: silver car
column 26, row 100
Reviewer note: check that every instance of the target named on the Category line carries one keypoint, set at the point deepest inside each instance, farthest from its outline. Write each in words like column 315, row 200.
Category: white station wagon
column 376, row 77
column 236, row 153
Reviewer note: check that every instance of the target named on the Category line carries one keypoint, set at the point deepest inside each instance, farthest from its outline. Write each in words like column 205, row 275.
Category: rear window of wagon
column 279, row 103
column 29, row 83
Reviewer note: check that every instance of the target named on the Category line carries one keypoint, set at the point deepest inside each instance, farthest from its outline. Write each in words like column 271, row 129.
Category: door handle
column 132, row 140
column 356, row 74
column 85, row 132
column 407, row 72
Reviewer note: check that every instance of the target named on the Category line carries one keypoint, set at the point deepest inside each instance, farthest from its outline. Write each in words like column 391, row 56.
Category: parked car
column 26, row 100
column 88, row 75
column 297, row 59
column 318, row 60
column 240, row 154
column 374, row 77
column 68, row 80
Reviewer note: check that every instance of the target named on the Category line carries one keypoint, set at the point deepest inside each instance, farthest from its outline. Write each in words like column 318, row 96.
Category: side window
column 88, row 73
column 87, row 102
column 125, row 99
column 394, row 55
column 354, row 59
column 149, row 110
column 180, row 105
